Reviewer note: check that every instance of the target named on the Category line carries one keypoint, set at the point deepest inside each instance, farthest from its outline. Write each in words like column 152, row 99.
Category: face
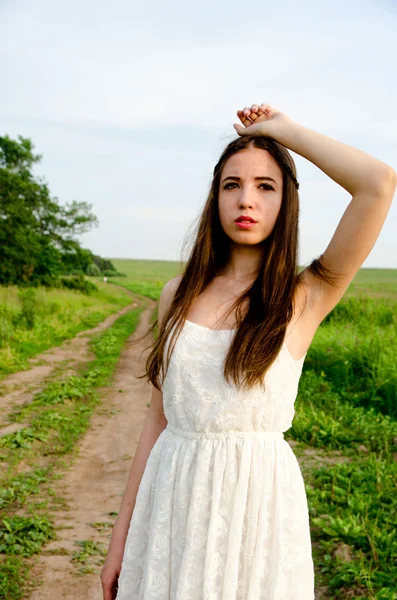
column 251, row 184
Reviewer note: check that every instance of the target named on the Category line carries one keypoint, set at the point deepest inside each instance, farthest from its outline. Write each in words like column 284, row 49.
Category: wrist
column 288, row 133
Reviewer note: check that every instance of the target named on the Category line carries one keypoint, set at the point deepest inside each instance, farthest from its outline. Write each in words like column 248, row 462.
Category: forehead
column 253, row 162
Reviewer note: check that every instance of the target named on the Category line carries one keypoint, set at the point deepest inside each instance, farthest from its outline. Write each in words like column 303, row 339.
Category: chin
column 247, row 242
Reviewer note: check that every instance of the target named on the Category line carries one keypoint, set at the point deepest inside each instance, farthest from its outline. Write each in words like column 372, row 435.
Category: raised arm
column 371, row 183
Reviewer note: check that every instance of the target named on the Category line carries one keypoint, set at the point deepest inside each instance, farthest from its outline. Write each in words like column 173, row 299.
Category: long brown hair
column 260, row 332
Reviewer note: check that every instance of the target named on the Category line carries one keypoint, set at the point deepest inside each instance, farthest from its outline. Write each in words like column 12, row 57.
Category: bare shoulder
column 172, row 285
column 167, row 295
column 169, row 289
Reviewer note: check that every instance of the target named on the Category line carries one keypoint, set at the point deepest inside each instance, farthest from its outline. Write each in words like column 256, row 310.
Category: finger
column 115, row 590
column 109, row 589
column 255, row 112
column 266, row 107
column 245, row 120
column 247, row 111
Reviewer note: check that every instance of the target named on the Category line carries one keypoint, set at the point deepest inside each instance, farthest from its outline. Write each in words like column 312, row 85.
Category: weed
column 24, row 535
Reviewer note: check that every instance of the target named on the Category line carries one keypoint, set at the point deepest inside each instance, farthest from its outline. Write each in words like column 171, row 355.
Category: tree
column 37, row 233
column 103, row 264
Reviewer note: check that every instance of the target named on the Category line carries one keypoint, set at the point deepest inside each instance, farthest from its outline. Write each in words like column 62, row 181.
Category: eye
column 267, row 185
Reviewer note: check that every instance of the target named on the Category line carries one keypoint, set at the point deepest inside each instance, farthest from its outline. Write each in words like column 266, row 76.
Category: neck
column 243, row 264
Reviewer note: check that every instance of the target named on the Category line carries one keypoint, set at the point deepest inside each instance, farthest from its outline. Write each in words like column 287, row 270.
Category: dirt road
column 21, row 387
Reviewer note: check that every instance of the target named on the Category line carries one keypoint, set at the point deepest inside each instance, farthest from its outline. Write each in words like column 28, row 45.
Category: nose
column 244, row 200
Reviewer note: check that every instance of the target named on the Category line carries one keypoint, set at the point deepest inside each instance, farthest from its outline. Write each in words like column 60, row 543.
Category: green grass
column 355, row 347
column 374, row 282
column 146, row 277
column 352, row 497
column 85, row 557
column 47, row 318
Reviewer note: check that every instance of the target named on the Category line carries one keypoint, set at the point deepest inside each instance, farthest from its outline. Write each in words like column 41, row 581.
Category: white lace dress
column 221, row 511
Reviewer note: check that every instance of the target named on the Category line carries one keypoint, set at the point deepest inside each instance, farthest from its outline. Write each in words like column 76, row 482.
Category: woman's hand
column 110, row 573
column 263, row 120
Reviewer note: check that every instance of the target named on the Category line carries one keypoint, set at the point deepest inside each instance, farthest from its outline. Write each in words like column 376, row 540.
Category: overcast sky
column 132, row 103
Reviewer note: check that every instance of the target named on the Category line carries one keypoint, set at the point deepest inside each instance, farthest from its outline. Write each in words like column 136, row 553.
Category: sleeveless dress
column 221, row 511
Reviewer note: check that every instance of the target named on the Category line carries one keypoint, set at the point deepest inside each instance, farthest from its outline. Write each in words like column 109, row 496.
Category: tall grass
column 356, row 349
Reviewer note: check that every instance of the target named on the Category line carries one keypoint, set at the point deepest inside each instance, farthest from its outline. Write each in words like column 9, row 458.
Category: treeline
column 37, row 233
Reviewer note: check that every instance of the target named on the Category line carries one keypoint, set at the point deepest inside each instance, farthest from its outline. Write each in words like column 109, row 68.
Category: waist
column 231, row 433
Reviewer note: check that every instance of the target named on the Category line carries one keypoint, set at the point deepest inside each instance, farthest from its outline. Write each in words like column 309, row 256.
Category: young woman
column 215, row 506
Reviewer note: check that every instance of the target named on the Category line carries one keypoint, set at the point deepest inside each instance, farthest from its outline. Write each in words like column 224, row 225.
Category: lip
column 245, row 218
column 245, row 225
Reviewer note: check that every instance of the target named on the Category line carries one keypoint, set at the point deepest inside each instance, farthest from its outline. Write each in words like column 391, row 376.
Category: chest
column 214, row 308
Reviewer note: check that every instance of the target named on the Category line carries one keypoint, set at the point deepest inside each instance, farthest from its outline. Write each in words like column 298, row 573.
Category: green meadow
column 344, row 432
column 35, row 319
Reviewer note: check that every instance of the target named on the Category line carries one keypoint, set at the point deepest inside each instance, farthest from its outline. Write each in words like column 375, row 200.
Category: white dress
column 221, row 512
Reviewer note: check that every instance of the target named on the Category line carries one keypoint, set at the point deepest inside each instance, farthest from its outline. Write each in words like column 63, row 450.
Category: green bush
column 28, row 312
column 6, row 328
column 93, row 270
column 109, row 273
column 355, row 349
column 362, row 310
column 79, row 283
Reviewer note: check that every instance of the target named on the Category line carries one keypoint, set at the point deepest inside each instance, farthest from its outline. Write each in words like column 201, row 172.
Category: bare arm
column 372, row 185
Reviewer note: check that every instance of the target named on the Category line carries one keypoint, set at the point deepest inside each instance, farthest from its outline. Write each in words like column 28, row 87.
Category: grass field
column 35, row 319
column 344, row 431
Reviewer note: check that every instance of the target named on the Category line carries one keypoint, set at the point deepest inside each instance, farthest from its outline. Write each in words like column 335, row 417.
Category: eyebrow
column 234, row 178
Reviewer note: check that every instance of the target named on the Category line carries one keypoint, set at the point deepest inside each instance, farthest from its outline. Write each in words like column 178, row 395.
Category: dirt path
column 21, row 387
column 93, row 486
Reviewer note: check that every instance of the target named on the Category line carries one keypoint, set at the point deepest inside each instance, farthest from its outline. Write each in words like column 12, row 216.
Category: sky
column 131, row 105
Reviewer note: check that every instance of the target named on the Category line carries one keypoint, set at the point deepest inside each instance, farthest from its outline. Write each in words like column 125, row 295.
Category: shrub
column 93, row 270
column 6, row 328
column 28, row 311
column 78, row 283
column 109, row 273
